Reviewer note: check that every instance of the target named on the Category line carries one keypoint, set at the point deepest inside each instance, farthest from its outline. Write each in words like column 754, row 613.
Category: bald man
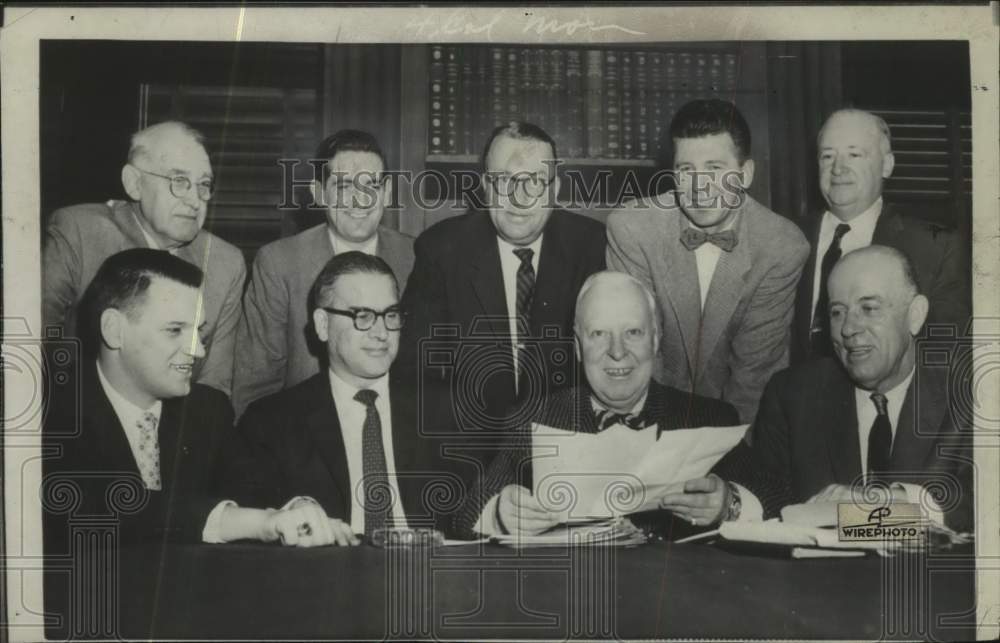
column 616, row 341
column 878, row 414
column 855, row 159
column 169, row 181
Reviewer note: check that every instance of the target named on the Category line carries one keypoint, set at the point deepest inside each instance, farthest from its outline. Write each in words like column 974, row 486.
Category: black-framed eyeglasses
column 365, row 318
column 531, row 184
column 180, row 185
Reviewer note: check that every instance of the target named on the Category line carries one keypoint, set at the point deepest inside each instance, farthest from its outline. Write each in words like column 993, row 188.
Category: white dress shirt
column 706, row 256
column 129, row 415
column 509, row 265
column 351, row 414
column 859, row 236
column 340, row 245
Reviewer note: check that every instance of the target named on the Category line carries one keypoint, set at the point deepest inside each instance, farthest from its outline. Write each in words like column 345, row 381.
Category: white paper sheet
column 621, row 471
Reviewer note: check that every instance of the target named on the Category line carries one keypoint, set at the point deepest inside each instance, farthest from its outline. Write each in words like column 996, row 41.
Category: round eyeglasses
column 180, row 186
column 530, row 184
column 365, row 318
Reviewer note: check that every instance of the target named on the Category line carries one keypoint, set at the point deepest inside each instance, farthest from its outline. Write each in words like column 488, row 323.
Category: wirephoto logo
column 867, row 523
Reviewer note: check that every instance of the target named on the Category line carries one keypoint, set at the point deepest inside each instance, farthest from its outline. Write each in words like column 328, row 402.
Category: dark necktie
column 525, row 294
column 819, row 331
column 375, row 474
column 879, row 441
column 693, row 238
column 607, row 418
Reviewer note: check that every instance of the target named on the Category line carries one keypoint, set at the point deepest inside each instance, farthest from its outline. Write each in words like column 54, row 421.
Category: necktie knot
column 838, row 234
column 367, row 397
column 148, row 421
column 881, row 404
column 525, row 255
column 607, row 419
column 693, row 238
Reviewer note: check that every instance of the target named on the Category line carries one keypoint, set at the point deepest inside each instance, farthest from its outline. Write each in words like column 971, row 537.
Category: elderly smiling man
column 617, row 339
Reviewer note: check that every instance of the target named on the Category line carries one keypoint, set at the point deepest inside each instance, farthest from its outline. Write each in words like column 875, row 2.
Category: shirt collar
column 125, row 409
column 344, row 391
column 597, row 406
column 863, row 223
column 340, row 244
column 150, row 241
column 507, row 247
column 895, row 394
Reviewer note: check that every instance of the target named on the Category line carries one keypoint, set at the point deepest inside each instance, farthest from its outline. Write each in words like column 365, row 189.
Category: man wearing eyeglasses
column 506, row 276
column 345, row 438
column 168, row 178
column 273, row 336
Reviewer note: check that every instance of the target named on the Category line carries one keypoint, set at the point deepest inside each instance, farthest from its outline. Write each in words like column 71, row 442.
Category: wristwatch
column 735, row 503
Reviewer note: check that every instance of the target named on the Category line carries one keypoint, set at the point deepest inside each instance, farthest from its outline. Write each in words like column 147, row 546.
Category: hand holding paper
column 701, row 501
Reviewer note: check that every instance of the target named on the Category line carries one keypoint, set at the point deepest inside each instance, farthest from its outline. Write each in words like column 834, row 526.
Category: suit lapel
column 108, row 433
column 555, row 262
column 888, row 227
column 919, row 420
column 836, row 417
column 322, row 425
column 681, row 289
column 485, row 272
column 125, row 216
column 804, row 294
column 724, row 293
column 170, row 433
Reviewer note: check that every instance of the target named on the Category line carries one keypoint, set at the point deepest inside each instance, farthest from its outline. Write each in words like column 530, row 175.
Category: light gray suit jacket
column 275, row 345
column 731, row 349
column 79, row 238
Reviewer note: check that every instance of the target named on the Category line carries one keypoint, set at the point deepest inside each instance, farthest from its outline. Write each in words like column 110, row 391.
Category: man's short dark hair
column 122, row 282
column 347, row 263
column 709, row 116
column 347, row 140
column 521, row 131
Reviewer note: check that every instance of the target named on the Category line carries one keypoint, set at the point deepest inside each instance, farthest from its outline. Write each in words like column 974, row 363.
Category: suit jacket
column 571, row 409
column 806, row 436
column 457, row 281
column 731, row 348
column 79, row 238
column 276, row 346
column 296, row 448
column 940, row 258
column 91, row 455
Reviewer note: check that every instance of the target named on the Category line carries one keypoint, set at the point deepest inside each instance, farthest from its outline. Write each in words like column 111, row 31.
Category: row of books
column 596, row 103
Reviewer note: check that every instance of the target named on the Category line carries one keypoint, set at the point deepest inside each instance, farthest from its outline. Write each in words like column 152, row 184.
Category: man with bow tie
column 722, row 266
column 616, row 340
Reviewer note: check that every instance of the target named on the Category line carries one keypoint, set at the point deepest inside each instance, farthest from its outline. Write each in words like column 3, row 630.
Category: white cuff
column 487, row 523
column 915, row 493
column 213, row 524
column 751, row 510
column 288, row 505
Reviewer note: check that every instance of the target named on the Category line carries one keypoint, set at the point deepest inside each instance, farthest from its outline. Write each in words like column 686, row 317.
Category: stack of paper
column 620, row 470
column 615, row 532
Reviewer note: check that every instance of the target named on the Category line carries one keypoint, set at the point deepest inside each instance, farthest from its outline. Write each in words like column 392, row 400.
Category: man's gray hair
column 144, row 140
column 885, row 134
column 624, row 277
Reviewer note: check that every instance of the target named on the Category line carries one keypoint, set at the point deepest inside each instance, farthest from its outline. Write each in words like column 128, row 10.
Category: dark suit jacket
column 940, row 257
column 571, row 409
column 296, row 448
column 806, row 436
column 457, row 280
column 275, row 344
column 92, row 455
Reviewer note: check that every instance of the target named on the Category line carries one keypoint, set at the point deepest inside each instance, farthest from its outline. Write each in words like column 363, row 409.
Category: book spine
column 483, row 113
column 467, row 100
column 513, row 89
column 574, row 98
column 657, row 100
column 642, row 106
column 612, row 105
column 628, row 105
column 555, row 97
column 452, row 126
column 595, row 103
column 498, row 82
column 435, row 128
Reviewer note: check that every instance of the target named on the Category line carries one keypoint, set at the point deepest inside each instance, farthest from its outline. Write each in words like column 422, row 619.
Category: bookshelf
column 607, row 106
